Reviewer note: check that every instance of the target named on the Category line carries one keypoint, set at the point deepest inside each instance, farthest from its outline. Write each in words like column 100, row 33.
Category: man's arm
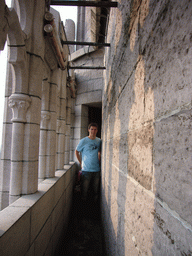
column 99, row 157
column 78, row 156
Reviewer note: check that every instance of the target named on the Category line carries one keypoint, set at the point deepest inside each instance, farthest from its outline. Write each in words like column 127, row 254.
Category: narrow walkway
column 84, row 236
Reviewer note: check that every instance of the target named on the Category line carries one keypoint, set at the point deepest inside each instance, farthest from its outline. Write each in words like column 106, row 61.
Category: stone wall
column 33, row 224
column 146, row 162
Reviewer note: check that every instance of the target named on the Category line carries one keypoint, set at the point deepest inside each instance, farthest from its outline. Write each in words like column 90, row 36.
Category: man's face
column 92, row 131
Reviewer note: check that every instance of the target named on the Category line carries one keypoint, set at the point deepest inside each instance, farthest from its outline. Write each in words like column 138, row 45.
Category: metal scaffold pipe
column 106, row 4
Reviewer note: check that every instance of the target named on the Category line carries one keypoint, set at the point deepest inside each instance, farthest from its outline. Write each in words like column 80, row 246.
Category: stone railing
column 33, row 224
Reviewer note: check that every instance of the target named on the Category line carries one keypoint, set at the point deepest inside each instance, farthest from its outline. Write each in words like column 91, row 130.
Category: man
column 88, row 153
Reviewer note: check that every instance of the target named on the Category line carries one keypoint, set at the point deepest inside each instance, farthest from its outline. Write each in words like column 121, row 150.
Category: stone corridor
column 84, row 235
column 140, row 88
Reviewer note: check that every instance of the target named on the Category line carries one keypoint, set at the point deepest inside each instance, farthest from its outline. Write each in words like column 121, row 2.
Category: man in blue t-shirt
column 88, row 153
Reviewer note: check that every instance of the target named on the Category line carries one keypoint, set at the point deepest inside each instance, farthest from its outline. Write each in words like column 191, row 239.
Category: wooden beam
column 106, row 4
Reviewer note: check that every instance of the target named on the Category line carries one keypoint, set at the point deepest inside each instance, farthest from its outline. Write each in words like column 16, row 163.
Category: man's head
column 92, row 129
column 93, row 124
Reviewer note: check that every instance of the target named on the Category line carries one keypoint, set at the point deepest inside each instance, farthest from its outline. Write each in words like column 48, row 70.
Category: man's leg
column 85, row 182
column 96, row 182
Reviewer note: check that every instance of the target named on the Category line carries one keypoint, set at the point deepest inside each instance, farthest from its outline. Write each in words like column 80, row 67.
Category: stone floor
column 84, row 236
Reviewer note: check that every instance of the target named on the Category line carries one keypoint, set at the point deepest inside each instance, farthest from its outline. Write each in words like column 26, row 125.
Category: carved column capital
column 19, row 103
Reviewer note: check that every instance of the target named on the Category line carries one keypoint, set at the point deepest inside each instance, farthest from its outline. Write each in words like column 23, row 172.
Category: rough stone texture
column 172, row 159
column 170, row 236
column 146, row 164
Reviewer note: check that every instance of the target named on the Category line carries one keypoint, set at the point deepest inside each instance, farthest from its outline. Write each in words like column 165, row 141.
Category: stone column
column 70, row 33
column 68, row 127
column 72, row 147
column 45, row 118
column 19, row 104
column 80, row 25
column 5, row 167
column 51, row 132
column 60, row 144
column 61, row 123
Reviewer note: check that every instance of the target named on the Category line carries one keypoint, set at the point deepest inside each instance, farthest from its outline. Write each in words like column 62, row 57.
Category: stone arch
column 17, row 53
column 24, row 11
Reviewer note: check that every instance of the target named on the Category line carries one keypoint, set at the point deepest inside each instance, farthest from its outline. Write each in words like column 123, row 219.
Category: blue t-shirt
column 89, row 152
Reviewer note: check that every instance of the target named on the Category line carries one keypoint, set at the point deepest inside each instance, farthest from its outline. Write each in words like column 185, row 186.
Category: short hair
column 93, row 124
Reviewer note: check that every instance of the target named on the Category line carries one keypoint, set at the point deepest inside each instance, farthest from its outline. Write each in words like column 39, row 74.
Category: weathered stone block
column 171, row 236
column 120, row 147
column 139, row 205
column 172, row 160
column 140, row 161
column 168, row 73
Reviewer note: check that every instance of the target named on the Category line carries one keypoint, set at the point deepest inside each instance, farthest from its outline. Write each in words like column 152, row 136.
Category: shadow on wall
column 146, row 178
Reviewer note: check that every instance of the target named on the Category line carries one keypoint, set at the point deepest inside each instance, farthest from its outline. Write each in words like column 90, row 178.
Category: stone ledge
column 22, row 212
